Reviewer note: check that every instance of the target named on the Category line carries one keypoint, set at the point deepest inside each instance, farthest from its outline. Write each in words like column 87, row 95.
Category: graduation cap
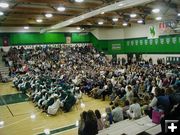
column 50, row 92
column 59, row 88
column 43, row 90
column 55, row 95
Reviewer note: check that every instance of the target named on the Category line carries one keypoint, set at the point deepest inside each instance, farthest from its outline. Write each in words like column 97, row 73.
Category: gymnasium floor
column 21, row 117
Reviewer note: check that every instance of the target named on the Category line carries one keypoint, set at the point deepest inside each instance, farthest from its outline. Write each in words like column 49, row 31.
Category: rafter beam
column 123, row 4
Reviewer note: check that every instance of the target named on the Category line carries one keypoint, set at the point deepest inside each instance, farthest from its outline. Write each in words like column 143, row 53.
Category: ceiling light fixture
column 39, row 20
column 125, row 24
column 133, row 15
column 71, row 21
column 140, row 21
column 78, row 28
column 115, row 19
column 100, row 23
column 79, row 1
column 156, row 10
column 158, row 18
column 48, row 15
column 1, row 13
column 4, row 5
column 120, row 5
column 178, row 14
column 26, row 27
column 102, row 13
column 61, row 9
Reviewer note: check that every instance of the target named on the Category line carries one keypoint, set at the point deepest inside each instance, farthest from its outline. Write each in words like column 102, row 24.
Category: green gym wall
column 169, row 44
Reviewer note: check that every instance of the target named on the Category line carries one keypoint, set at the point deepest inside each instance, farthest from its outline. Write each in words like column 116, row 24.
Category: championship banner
column 116, row 47
column 165, row 27
column 68, row 40
column 153, row 32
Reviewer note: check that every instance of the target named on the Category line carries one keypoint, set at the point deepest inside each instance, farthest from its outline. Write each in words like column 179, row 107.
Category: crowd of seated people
column 54, row 74
column 56, row 77
column 16, row 59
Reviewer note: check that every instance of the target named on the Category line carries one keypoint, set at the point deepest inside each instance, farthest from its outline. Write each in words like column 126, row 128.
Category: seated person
column 69, row 102
column 129, row 94
column 125, row 108
column 134, row 111
column 100, row 122
column 52, row 109
column 109, row 117
column 117, row 113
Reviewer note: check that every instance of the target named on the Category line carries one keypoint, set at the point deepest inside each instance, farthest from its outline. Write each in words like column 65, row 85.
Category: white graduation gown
column 54, row 107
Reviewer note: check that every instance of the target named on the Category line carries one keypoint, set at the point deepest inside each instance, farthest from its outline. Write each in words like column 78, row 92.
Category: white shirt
column 153, row 102
column 136, row 110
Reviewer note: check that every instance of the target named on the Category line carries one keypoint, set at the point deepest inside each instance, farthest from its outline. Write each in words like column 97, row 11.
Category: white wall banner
column 153, row 32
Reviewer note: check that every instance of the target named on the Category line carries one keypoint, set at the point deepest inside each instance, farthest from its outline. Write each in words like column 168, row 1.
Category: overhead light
column 156, row 10
column 100, row 23
column 61, row 9
column 4, row 5
column 115, row 19
column 125, row 24
column 48, row 15
column 158, row 18
column 1, row 13
column 133, row 15
column 120, row 5
column 39, row 20
column 178, row 14
column 79, row 1
column 78, row 28
column 140, row 21
column 26, row 27
column 102, row 13
column 71, row 21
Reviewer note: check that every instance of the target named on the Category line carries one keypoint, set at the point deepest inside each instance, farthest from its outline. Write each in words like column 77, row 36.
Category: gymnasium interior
column 89, row 67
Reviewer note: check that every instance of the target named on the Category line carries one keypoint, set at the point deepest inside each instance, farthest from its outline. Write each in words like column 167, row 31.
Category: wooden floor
column 17, row 117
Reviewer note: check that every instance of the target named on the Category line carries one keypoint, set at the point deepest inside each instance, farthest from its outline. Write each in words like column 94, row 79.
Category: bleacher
column 4, row 71
column 132, row 127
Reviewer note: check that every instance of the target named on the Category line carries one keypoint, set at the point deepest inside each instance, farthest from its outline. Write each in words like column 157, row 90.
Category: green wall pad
column 36, row 38
column 162, row 45
column 169, row 44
